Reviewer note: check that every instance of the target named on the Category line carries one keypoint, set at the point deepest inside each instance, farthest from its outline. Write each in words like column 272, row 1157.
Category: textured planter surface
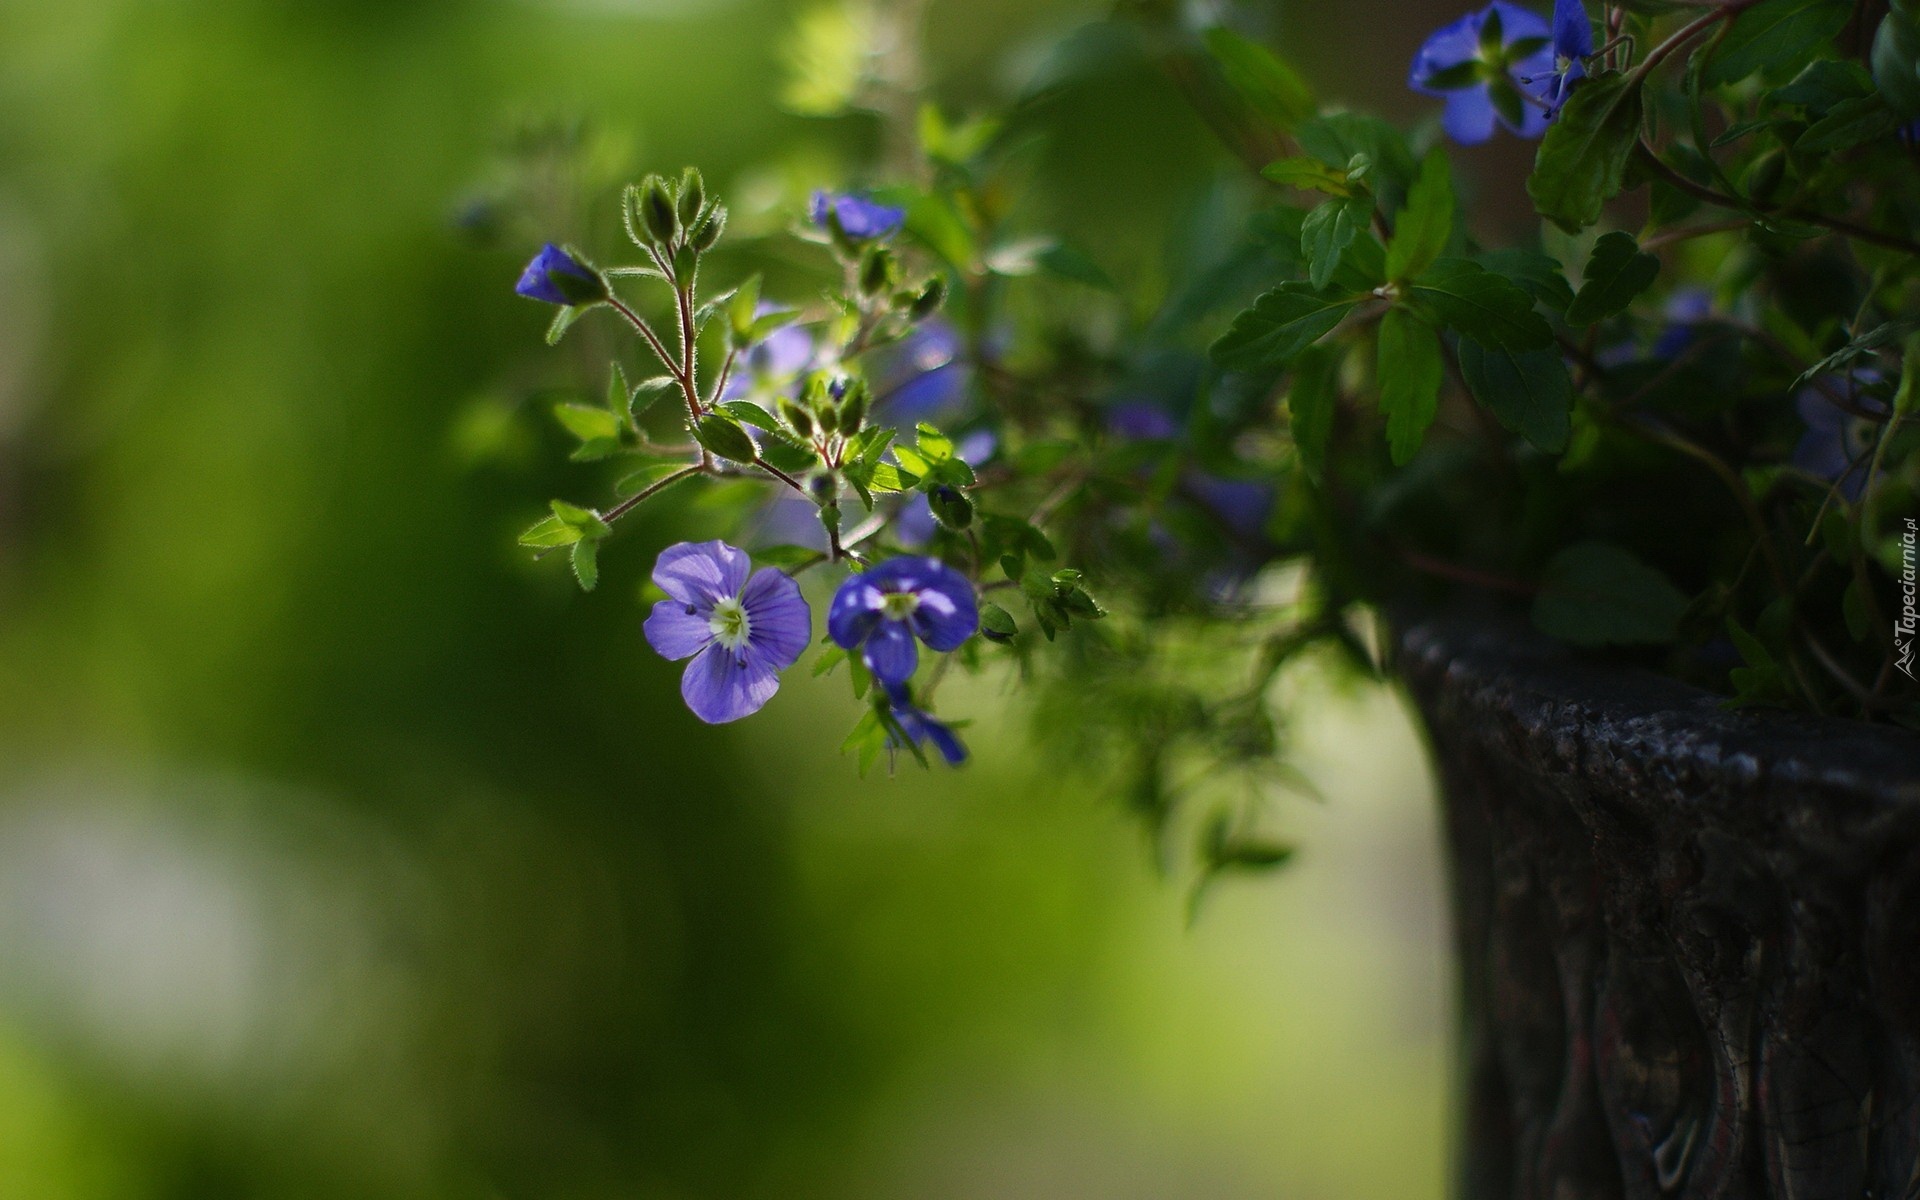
column 1689, row 937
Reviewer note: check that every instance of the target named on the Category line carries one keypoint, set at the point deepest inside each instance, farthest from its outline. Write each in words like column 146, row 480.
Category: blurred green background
column 345, row 853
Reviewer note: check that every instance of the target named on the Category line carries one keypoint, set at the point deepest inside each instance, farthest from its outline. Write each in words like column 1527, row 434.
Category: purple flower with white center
column 922, row 727
column 1495, row 65
column 1838, row 443
column 556, row 277
column 859, row 218
column 886, row 610
column 1572, row 46
column 740, row 629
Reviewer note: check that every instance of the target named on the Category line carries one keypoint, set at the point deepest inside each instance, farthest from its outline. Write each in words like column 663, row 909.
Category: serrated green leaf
column 1409, row 374
column 1531, row 394
column 1596, row 594
column 1582, row 162
column 1775, row 37
column 1850, row 123
column 1281, row 324
column 1311, row 400
column 1425, row 225
column 1474, row 302
column 1540, row 274
column 1617, row 272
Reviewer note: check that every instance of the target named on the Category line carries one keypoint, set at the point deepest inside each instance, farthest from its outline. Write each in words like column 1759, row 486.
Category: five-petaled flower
column 859, row 218
column 883, row 610
column 1497, row 64
column 556, row 277
column 921, row 727
column 741, row 630
column 1572, row 47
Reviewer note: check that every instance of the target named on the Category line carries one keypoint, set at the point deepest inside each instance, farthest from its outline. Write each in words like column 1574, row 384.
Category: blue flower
column 775, row 363
column 741, row 630
column 859, row 218
column 883, row 610
column 1572, row 46
column 923, row 376
column 556, row 277
column 1492, row 65
column 1838, row 443
column 921, row 727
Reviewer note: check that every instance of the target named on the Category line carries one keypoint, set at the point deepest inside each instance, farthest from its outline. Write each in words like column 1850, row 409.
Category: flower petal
column 1572, row 32
column 701, row 573
column 676, row 632
column 779, row 622
column 948, row 613
column 722, row 685
column 1469, row 116
column 891, row 653
column 1449, row 46
column 854, row 612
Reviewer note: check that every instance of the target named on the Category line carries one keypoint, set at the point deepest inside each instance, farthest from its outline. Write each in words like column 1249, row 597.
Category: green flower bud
column 657, row 210
column 708, row 231
column 693, row 196
column 878, row 269
column 950, row 507
column 797, row 418
column 930, row 299
column 723, row 436
column 853, row 406
column 823, row 486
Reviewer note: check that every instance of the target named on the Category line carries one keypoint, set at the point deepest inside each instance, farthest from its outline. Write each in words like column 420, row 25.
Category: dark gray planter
column 1689, row 938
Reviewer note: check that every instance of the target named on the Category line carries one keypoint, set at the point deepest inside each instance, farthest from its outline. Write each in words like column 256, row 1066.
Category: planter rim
column 1633, row 732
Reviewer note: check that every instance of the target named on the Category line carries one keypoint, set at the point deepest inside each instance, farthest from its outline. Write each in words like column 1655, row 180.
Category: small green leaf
column 1596, row 594
column 749, row 413
column 1308, row 175
column 997, row 623
column 586, row 563
column 1281, row 324
column 1410, row 372
column 1540, row 274
column 1776, row 38
column 1617, row 272
column 549, row 532
column 1425, row 225
column 934, row 446
column 1474, row 302
column 1530, row 393
column 1328, row 231
column 585, row 520
column 1849, row 124
column 563, row 321
column 1582, row 162
column 587, row 423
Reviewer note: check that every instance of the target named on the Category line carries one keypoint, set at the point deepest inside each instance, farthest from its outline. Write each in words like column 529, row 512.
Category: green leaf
column 588, row 423
column 1309, row 175
column 1410, row 371
column 749, row 413
column 996, row 622
column 1530, row 393
column 1281, row 324
column 1274, row 89
column 1596, row 594
column 1849, row 124
column 563, row 321
column 1776, row 38
column 585, row 520
column 934, row 446
column 721, row 434
column 1311, row 402
column 1582, row 162
column 549, row 532
column 1474, row 302
column 1541, row 274
column 1328, row 231
column 1425, row 225
column 646, row 477
column 586, row 563
column 1617, row 271
column 646, row 392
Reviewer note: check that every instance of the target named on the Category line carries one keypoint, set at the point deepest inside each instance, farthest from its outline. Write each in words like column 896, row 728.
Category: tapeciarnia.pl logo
column 1909, row 619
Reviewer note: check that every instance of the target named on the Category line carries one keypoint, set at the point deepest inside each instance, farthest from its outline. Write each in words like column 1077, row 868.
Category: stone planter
column 1689, row 938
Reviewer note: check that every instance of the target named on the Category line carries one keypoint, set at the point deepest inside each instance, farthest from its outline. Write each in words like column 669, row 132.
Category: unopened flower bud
column 930, row 299
column 950, row 507
column 693, row 196
column 658, row 211
column 797, row 418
